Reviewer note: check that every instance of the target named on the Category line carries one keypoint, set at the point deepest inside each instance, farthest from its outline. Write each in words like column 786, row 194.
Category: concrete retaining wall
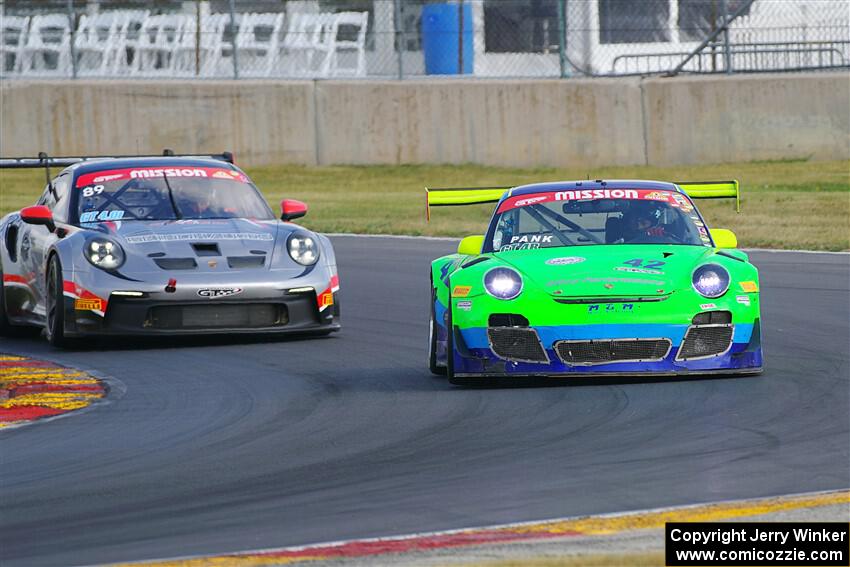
column 510, row 123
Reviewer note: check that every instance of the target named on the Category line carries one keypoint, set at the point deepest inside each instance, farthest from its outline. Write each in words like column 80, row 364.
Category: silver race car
column 161, row 245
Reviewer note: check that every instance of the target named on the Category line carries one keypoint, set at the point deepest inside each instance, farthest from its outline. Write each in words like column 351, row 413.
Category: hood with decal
column 609, row 271
column 211, row 242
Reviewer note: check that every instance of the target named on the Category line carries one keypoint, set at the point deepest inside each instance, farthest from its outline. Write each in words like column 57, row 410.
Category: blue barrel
column 440, row 37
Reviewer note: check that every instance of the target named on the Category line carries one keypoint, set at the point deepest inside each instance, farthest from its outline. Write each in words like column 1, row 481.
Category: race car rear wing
column 455, row 196
column 43, row 160
column 712, row 190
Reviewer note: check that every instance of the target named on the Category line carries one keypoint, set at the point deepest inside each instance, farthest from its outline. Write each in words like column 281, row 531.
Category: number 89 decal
column 92, row 190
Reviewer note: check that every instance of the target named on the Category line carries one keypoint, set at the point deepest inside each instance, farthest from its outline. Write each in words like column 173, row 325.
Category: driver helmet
column 643, row 215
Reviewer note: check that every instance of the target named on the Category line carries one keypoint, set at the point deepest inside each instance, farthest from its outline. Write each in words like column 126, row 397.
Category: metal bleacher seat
column 158, row 38
column 13, row 36
column 258, row 42
column 47, row 51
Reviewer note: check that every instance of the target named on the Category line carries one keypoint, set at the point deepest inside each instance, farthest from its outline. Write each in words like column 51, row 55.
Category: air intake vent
column 705, row 342
column 617, row 350
column 176, row 263
column 713, row 318
column 243, row 262
column 507, row 320
column 521, row 345
column 203, row 249
column 250, row 316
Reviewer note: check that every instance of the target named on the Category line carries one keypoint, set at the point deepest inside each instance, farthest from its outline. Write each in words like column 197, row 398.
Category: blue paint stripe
column 476, row 337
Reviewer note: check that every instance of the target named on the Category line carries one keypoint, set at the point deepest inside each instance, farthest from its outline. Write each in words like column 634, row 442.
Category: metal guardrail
column 750, row 57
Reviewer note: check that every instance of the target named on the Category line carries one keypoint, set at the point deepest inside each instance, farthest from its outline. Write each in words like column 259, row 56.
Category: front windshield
column 149, row 193
column 596, row 216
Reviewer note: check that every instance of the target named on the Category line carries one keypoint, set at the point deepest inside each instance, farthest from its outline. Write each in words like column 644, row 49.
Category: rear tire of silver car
column 432, row 337
column 5, row 327
column 54, row 317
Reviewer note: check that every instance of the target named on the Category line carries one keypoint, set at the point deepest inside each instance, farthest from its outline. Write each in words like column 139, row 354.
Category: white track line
column 485, row 528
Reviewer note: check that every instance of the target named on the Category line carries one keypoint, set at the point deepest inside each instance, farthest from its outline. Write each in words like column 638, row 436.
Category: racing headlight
column 503, row 283
column 711, row 280
column 104, row 253
column 303, row 249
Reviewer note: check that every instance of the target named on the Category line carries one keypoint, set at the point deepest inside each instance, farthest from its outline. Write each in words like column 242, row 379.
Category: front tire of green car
column 432, row 337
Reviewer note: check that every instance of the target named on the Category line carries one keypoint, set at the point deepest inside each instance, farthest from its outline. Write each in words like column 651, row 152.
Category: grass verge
column 786, row 204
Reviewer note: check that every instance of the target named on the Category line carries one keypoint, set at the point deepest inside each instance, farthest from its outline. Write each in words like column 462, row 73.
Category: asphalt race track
column 223, row 445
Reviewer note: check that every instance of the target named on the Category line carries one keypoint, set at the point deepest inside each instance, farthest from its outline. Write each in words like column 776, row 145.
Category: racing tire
column 54, row 316
column 5, row 326
column 432, row 337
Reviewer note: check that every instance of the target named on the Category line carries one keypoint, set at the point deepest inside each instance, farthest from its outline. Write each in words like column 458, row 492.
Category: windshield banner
column 673, row 198
column 158, row 172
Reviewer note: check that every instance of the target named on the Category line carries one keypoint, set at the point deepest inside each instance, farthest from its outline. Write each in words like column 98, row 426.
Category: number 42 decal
column 639, row 263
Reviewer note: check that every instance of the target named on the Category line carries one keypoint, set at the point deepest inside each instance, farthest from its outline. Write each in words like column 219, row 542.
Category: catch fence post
column 562, row 37
column 727, row 54
column 233, row 39
column 72, row 49
column 398, row 24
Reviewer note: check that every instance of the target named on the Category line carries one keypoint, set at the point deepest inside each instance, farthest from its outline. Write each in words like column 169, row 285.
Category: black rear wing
column 43, row 160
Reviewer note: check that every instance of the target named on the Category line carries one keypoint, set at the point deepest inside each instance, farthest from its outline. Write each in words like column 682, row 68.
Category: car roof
column 597, row 184
column 93, row 165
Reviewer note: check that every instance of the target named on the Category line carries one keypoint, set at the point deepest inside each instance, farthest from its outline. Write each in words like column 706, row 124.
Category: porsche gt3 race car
column 594, row 278
column 161, row 245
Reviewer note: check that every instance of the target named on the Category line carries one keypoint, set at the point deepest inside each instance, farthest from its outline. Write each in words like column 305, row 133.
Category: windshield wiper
column 177, row 214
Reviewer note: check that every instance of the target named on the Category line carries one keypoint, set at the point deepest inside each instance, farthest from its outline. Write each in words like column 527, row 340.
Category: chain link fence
column 318, row 39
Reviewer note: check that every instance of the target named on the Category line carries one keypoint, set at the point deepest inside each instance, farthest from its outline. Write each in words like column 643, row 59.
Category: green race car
column 594, row 278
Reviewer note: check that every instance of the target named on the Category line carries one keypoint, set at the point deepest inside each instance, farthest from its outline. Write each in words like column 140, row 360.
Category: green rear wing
column 712, row 190
column 456, row 196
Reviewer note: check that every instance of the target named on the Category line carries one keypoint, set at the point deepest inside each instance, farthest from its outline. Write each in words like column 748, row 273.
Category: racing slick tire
column 54, row 320
column 5, row 327
column 432, row 337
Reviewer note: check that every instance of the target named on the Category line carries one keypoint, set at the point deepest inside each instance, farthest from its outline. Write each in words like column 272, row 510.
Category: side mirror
column 38, row 214
column 724, row 238
column 291, row 209
column 471, row 245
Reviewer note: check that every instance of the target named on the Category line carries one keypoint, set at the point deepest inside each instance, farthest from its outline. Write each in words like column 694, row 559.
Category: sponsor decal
column 698, row 222
column 707, row 306
column 639, row 271
column 215, row 293
column 671, row 197
column 199, row 236
column 682, row 202
column 542, row 238
column 101, row 216
column 749, row 286
column 104, row 178
column 464, row 305
column 582, row 194
column 461, row 290
column 76, row 292
column 157, row 172
column 640, row 263
column 611, row 308
column 520, row 246
column 531, row 200
column 743, row 300
column 325, row 299
column 565, row 261
column 88, row 305
column 170, row 172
